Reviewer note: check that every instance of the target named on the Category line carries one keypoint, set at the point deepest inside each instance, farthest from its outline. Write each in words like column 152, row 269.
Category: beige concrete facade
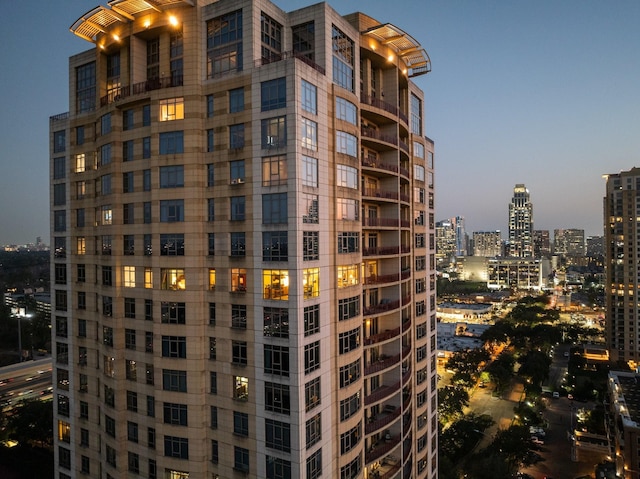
column 243, row 247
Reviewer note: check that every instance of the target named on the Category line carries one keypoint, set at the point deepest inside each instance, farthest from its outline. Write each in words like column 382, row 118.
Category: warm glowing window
column 64, row 431
column 311, row 282
column 238, row 280
column 82, row 245
column 81, row 189
column 129, row 277
column 106, row 215
column 172, row 109
column 148, row 278
column 80, row 163
column 241, row 388
column 172, row 278
column 276, row 284
column 348, row 275
column 212, row 279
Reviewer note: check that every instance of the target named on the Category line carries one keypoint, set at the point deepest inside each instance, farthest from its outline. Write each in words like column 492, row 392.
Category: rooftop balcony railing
column 141, row 87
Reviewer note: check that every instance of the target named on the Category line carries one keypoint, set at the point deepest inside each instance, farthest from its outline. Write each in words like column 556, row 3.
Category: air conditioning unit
column 240, row 181
column 237, row 181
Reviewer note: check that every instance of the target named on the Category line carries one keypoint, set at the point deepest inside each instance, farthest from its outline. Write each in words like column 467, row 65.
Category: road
column 27, row 380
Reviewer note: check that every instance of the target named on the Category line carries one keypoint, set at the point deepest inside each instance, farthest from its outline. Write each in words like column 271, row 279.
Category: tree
column 501, row 370
column 451, row 402
column 534, row 365
column 32, row 422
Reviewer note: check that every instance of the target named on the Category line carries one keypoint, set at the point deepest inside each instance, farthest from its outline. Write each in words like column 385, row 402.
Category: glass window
column 80, row 163
column 347, row 209
column 309, row 97
column 311, row 357
column 314, row 465
column 172, row 244
column 347, row 176
column 343, row 59
column 60, row 220
column 86, row 88
column 309, row 208
column 276, row 322
column 224, row 44
column 348, row 275
column 310, row 171
column 238, row 316
column 277, row 435
column 236, row 136
column 418, row 150
column 345, row 110
column 146, row 147
column 238, row 207
column 240, row 459
column 174, row 347
column 209, row 100
column 236, row 100
column 212, row 279
column 348, row 308
column 274, row 208
column 211, row 209
column 59, row 194
column 310, row 245
column 416, row 115
column 309, row 134
column 274, row 170
column 236, row 171
column 211, row 240
column 174, row 380
column 171, row 210
column 172, row 278
column 276, row 360
column 210, row 140
column 238, row 244
column 240, row 388
column 275, row 284
column 59, row 168
column 346, row 143
column 313, row 430
column 311, row 282
column 312, row 394
column 210, row 174
column 129, row 276
column 304, row 40
column 271, row 35
column 238, row 280
column 176, row 447
column 172, row 176
column 105, row 154
column 173, row 312
column 171, row 142
column 273, row 94
column 274, row 132
column 275, row 246
column 171, row 109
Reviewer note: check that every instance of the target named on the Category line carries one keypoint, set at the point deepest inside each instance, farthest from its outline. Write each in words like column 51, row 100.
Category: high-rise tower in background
column 621, row 246
column 243, row 246
column 521, row 223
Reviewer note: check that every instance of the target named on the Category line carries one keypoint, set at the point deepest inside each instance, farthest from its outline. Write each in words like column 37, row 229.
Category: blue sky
column 544, row 93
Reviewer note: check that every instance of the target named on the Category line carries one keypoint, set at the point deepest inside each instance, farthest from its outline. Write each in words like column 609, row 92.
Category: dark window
column 276, row 360
column 273, row 94
column 275, row 246
column 175, row 414
column 277, row 435
column 277, row 398
column 171, row 142
column 176, row 447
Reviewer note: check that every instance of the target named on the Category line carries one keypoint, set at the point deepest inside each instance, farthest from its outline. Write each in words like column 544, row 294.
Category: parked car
column 537, row 441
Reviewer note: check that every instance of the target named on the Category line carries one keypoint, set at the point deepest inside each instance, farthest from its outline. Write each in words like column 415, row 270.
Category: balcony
column 139, row 88
column 381, row 364
column 382, row 419
column 381, row 278
column 381, row 448
column 381, row 251
column 384, row 306
column 372, row 161
column 382, row 222
column 386, row 469
column 377, row 193
column 376, row 135
column 380, row 337
column 381, row 393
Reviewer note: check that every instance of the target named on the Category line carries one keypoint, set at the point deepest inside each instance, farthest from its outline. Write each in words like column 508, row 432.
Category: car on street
column 537, row 441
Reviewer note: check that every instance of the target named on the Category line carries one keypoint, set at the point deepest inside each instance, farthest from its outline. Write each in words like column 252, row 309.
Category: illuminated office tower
column 569, row 242
column 244, row 246
column 541, row 243
column 521, row 223
column 487, row 243
column 621, row 252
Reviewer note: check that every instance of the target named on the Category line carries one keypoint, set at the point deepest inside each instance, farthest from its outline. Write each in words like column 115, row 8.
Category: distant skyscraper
column 541, row 243
column 621, row 211
column 521, row 223
column 595, row 246
column 461, row 236
column 487, row 243
column 445, row 241
column 569, row 242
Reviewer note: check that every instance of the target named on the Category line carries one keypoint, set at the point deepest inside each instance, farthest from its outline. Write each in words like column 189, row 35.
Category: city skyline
column 542, row 94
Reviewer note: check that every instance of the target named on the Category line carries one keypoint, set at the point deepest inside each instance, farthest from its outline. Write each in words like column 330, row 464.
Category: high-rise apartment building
column 521, row 223
column 621, row 252
column 541, row 244
column 243, row 248
column 569, row 242
column 487, row 243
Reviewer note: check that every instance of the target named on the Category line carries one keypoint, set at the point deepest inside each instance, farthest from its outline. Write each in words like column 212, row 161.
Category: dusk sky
column 544, row 92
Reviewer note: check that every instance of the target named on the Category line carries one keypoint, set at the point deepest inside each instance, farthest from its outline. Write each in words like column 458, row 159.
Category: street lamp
column 21, row 315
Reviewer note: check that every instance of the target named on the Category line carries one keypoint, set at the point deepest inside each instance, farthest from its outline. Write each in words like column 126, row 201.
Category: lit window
column 276, row 284
column 106, row 215
column 172, row 109
column 348, row 275
column 241, row 388
column 311, row 282
column 212, row 279
column 148, row 278
column 80, row 163
column 309, row 134
column 238, row 280
column 81, row 245
column 129, row 277
column 172, row 278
